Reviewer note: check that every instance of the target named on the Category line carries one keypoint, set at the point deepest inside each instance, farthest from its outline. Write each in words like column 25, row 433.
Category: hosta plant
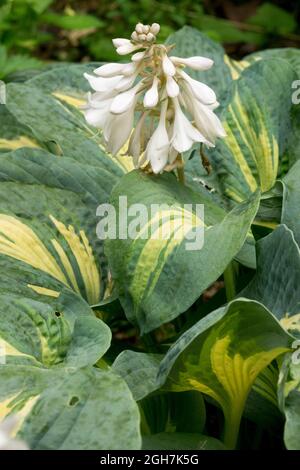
column 118, row 342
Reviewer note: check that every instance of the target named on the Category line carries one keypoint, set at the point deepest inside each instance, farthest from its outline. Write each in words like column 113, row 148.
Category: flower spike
column 176, row 111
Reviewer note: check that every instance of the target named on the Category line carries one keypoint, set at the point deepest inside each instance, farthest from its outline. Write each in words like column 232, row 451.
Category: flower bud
column 118, row 42
column 155, row 28
column 139, row 28
column 127, row 48
column 138, row 56
column 150, row 37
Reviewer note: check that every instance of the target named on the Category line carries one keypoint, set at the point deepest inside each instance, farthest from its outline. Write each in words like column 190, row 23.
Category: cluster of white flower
column 156, row 86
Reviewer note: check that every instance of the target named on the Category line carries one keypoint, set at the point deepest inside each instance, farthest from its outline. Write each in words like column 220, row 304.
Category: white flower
column 119, row 42
column 6, row 430
column 195, row 63
column 127, row 49
column 129, row 69
column 201, row 91
column 110, row 70
column 151, row 96
column 168, row 66
column 97, row 109
column 167, row 98
column 206, row 120
column 125, row 46
column 118, row 129
column 102, row 84
column 184, row 133
column 126, row 82
column 125, row 100
column 138, row 56
column 96, row 116
column 158, row 146
column 172, row 87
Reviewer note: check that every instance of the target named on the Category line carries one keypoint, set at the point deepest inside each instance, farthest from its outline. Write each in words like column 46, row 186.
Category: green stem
column 180, row 171
column 232, row 427
column 205, row 162
column 229, row 279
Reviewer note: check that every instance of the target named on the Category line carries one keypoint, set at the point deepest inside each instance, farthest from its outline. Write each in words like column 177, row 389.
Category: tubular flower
column 175, row 110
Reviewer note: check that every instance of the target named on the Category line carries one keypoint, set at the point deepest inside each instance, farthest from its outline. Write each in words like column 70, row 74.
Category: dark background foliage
column 35, row 31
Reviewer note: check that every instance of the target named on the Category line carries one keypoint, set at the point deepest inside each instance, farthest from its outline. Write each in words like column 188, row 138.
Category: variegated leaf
column 257, row 127
column 222, row 355
column 156, row 274
column 48, row 218
column 47, row 376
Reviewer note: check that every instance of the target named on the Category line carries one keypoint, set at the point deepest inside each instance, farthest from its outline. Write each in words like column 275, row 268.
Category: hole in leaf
column 73, row 401
column 57, row 314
